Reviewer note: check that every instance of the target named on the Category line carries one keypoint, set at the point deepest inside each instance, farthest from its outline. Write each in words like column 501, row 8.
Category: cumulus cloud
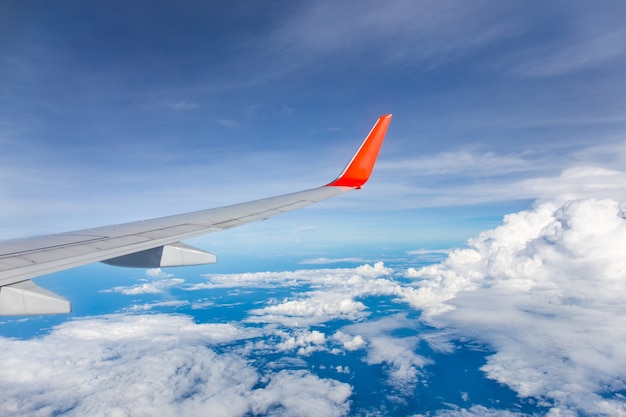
column 349, row 342
column 152, row 365
column 158, row 273
column 317, row 307
column 304, row 341
column 337, row 294
column 545, row 290
column 334, row 294
column 250, row 279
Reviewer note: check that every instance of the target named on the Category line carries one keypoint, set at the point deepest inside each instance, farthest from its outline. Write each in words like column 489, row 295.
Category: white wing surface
column 153, row 243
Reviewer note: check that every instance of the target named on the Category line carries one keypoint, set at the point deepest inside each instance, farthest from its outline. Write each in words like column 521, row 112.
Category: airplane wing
column 153, row 243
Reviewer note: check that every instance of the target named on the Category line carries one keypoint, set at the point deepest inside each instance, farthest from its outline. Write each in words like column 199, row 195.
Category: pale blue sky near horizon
column 116, row 111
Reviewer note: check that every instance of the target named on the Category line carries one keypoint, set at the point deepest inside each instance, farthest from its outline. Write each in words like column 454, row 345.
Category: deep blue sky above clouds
column 114, row 111
column 479, row 272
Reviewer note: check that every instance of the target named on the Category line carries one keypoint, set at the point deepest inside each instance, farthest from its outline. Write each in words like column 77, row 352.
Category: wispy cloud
column 444, row 31
column 182, row 105
column 403, row 365
column 327, row 261
column 167, row 304
column 227, row 122
column 587, row 53
column 154, row 287
column 464, row 162
column 160, row 282
column 470, row 177
column 429, row 251
column 477, row 411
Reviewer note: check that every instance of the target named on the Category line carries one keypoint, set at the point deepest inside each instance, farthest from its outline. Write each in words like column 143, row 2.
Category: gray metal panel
column 14, row 262
column 166, row 232
column 26, row 298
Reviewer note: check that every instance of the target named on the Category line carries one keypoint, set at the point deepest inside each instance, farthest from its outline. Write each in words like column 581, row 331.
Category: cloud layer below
column 544, row 292
column 152, row 365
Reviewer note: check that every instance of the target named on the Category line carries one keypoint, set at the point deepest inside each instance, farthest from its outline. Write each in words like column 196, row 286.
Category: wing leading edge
column 156, row 242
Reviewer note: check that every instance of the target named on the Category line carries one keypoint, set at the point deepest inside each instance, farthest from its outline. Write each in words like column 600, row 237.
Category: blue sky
column 113, row 111
column 490, row 238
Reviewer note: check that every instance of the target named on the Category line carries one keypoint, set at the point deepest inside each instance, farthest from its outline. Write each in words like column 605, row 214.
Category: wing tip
column 360, row 167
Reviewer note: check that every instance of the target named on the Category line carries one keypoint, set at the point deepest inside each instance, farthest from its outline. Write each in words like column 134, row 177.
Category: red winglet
column 360, row 167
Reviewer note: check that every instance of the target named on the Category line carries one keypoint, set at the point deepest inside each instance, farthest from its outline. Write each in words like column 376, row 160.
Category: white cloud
column 342, row 369
column 181, row 105
column 304, row 341
column 545, row 290
column 429, row 255
column 337, row 294
column 249, row 279
column 229, row 123
column 298, row 393
column 349, row 342
column 429, row 251
column 326, row 261
column 445, row 31
column 334, row 294
column 202, row 304
column 150, row 306
column 475, row 411
column 479, row 177
column 152, row 365
column 577, row 182
column 154, row 287
column 476, row 164
column 589, row 52
column 158, row 273
column 161, row 282
column 317, row 307
column 397, row 354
